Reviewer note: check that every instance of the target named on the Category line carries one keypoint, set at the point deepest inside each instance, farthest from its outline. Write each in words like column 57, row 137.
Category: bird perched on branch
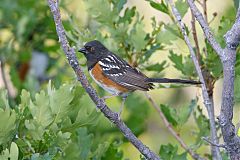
column 115, row 75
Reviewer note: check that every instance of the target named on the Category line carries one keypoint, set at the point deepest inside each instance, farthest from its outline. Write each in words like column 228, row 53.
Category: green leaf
column 13, row 151
column 7, row 125
column 76, row 103
column 149, row 53
column 25, row 99
column 167, row 35
column 158, row 67
column 4, row 99
column 101, row 12
column 225, row 25
column 85, row 117
column 170, row 113
column 60, row 106
column 120, row 4
column 34, row 129
column 182, row 156
column 113, row 152
column 182, row 7
column 41, row 113
column 169, row 152
column 177, row 60
column 41, row 110
column 159, row 6
column 173, row 29
column 203, row 125
column 137, row 36
column 128, row 15
column 189, row 68
column 80, row 146
column 213, row 62
column 185, row 65
column 84, row 139
column 185, row 111
column 236, row 3
column 136, row 122
column 11, row 154
column 101, row 150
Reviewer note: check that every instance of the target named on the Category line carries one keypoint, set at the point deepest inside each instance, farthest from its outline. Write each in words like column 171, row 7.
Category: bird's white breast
column 111, row 90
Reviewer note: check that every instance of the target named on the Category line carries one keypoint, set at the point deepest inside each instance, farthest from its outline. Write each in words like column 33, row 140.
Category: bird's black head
column 93, row 51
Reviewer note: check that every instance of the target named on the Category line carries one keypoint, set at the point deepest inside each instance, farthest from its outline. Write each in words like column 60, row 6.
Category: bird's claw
column 119, row 115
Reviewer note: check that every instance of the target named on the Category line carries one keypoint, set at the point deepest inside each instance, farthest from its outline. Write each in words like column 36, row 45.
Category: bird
column 117, row 76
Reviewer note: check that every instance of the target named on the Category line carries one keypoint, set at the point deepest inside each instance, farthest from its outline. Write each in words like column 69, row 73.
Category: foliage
column 45, row 126
column 170, row 152
column 28, row 27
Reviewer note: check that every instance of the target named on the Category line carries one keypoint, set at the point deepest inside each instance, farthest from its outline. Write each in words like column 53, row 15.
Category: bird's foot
column 119, row 115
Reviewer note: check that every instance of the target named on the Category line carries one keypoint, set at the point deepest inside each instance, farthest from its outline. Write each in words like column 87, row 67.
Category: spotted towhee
column 115, row 75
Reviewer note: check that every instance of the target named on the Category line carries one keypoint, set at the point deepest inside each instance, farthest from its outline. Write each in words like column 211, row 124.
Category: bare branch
column 228, row 58
column 112, row 116
column 232, row 39
column 208, row 34
column 207, row 101
column 171, row 130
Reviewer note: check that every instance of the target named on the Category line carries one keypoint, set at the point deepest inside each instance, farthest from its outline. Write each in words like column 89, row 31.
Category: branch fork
column 228, row 59
column 72, row 60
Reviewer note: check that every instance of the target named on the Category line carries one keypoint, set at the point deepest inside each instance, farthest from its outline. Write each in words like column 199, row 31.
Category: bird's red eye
column 89, row 48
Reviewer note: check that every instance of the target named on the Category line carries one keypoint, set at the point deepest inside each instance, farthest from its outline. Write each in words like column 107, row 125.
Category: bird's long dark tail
column 167, row 80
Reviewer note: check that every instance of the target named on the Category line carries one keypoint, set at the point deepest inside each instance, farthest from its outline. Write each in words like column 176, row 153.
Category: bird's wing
column 122, row 73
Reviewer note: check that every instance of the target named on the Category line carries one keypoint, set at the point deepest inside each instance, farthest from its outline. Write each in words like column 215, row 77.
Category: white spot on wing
column 106, row 69
column 126, row 84
column 112, row 57
column 108, row 59
column 108, row 65
column 103, row 64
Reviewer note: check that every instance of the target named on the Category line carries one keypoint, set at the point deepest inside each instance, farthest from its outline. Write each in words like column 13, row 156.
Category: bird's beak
column 82, row 50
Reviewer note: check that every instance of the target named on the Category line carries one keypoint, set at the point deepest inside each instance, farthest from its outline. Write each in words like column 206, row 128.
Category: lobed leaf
column 158, row 67
column 4, row 99
column 170, row 114
column 182, row 7
column 8, row 125
column 11, row 154
column 137, row 36
column 159, row 6
column 185, row 111
column 60, row 106
column 170, row 152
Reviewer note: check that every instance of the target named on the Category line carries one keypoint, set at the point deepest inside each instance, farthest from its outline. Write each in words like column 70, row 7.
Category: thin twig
column 207, row 101
column 213, row 18
column 214, row 144
column 205, row 10
column 112, row 116
column 171, row 130
column 194, row 32
column 206, row 29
